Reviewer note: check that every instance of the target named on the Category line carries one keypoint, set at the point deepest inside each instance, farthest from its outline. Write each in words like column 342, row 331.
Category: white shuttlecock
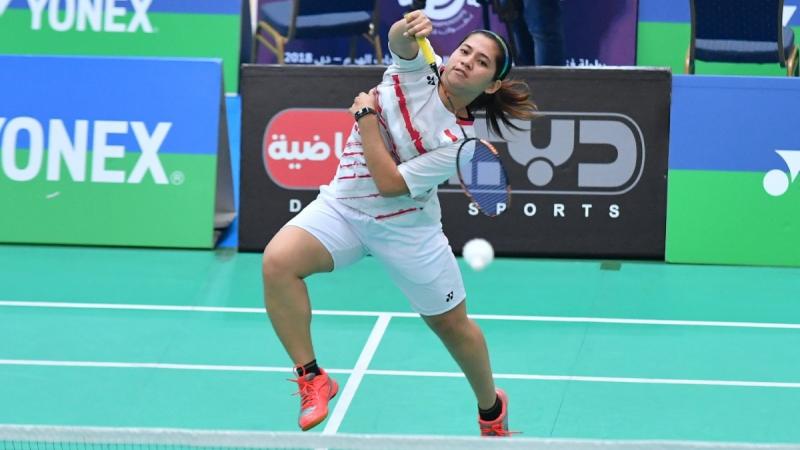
column 478, row 253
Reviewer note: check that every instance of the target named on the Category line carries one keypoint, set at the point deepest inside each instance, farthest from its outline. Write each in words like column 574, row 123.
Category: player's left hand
column 364, row 99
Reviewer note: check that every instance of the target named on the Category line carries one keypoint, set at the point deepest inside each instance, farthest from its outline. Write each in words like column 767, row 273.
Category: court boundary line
column 408, row 373
column 357, row 374
column 320, row 312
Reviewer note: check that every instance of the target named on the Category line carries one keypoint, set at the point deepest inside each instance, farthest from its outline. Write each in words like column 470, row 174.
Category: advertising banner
column 588, row 177
column 734, row 161
column 665, row 29
column 596, row 33
column 129, row 152
column 283, row 108
column 164, row 28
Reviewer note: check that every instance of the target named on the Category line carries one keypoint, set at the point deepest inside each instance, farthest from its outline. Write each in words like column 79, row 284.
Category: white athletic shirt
column 422, row 136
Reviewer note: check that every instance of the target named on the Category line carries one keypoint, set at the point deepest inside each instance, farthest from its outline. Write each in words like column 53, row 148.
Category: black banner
column 588, row 175
column 589, row 178
column 296, row 106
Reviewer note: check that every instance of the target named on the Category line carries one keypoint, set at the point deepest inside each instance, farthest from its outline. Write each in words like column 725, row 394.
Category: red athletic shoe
column 315, row 391
column 499, row 426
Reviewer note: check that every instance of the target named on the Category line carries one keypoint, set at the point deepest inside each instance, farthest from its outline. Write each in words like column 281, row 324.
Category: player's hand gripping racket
column 480, row 171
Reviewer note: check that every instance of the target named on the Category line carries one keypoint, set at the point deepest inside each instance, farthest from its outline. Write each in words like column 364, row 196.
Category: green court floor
column 168, row 338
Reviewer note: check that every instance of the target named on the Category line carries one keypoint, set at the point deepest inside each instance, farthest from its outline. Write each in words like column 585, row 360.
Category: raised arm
column 403, row 33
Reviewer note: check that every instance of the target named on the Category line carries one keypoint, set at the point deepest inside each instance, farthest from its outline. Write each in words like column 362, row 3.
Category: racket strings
column 479, row 167
column 483, row 177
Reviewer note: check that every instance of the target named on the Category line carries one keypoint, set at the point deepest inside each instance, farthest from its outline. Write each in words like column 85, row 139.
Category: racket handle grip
column 427, row 51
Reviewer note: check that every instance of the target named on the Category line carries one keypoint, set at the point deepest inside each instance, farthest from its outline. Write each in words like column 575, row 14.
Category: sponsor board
column 163, row 28
column 113, row 152
column 588, row 176
column 734, row 162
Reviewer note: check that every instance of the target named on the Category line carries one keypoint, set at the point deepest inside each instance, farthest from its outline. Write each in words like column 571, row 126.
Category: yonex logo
column 70, row 150
column 575, row 153
column 776, row 182
column 449, row 296
column 82, row 15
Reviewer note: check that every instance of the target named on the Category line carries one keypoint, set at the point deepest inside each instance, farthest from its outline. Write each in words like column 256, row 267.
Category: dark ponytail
column 513, row 97
column 511, row 100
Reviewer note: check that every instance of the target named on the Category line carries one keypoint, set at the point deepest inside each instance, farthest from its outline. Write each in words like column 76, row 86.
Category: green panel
column 664, row 44
column 174, row 35
column 177, row 214
column 728, row 218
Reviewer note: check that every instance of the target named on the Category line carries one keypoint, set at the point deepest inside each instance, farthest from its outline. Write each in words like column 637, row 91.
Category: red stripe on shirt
column 396, row 213
column 358, row 196
column 393, row 149
column 461, row 121
column 401, row 99
column 353, row 176
column 451, row 135
column 352, row 164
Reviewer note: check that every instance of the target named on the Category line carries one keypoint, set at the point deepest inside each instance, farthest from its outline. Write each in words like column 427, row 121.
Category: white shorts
column 419, row 259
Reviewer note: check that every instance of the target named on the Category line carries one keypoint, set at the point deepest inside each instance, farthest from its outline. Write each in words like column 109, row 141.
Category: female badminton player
column 383, row 201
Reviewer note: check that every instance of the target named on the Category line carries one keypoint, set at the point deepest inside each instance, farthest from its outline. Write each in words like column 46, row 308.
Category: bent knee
column 277, row 266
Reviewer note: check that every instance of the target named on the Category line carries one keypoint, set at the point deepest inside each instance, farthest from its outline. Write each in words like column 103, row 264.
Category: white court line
column 319, row 312
column 354, row 380
column 358, row 373
column 164, row 366
column 501, row 376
